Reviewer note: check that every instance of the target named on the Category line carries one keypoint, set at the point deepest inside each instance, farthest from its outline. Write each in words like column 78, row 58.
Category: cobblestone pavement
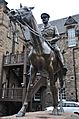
column 44, row 115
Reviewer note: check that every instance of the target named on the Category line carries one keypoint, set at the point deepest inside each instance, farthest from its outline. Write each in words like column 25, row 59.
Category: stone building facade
column 6, row 34
column 69, row 45
column 10, row 43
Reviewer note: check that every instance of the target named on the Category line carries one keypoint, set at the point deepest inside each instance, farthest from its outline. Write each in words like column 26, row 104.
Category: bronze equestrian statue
column 42, row 57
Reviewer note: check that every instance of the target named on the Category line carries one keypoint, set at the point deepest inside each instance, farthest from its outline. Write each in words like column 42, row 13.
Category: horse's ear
column 31, row 8
column 20, row 5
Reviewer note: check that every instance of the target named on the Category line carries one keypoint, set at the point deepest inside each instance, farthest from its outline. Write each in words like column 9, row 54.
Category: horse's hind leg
column 54, row 91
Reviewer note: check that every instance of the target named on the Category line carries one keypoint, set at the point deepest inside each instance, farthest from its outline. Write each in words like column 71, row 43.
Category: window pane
column 71, row 42
column 71, row 33
column 71, row 38
column 75, row 105
column 63, row 94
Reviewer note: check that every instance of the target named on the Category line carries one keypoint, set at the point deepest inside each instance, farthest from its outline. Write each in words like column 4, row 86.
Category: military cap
column 44, row 14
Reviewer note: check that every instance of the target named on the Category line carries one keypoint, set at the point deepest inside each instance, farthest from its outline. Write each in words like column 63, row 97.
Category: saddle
column 52, row 48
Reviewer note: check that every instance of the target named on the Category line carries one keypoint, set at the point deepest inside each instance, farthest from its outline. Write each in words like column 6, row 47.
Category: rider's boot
column 62, row 63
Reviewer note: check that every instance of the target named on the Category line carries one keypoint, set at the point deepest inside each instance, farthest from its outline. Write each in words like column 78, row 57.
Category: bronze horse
column 42, row 57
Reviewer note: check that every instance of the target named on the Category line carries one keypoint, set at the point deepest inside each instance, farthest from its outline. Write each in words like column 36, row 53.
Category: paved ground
column 44, row 115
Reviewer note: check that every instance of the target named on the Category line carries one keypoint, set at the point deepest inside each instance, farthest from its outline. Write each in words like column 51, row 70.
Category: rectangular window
column 9, row 32
column 63, row 94
column 16, row 36
column 37, row 96
column 71, row 37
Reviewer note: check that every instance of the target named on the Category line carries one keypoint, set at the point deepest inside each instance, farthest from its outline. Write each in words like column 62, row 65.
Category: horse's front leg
column 25, row 104
column 54, row 91
column 33, row 75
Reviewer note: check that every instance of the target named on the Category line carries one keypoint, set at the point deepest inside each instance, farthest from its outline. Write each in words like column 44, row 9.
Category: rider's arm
column 55, row 39
column 56, row 35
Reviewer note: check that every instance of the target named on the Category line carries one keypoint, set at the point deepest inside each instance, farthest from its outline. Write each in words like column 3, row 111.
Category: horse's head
column 22, row 15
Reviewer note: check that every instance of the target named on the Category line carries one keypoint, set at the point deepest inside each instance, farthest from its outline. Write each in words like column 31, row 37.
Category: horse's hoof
column 55, row 112
column 20, row 114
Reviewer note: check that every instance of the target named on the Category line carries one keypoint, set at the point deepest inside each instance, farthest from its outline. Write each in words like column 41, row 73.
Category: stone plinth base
column 44, row 115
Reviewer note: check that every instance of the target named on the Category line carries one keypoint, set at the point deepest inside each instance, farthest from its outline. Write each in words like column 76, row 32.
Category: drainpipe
column 1, row 76
column 24, row 74
column 13, row 43
column 75, row 76
column 13, row 39
column 2, row 72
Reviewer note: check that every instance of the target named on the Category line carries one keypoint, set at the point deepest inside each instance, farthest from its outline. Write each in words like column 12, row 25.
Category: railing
column 11, row 94
column 16, row 94
column 13, row 59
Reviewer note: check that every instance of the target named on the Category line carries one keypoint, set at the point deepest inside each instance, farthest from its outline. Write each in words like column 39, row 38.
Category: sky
column 57, row 9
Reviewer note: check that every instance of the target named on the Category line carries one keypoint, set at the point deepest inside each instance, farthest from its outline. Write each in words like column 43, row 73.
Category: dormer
column 71, row 25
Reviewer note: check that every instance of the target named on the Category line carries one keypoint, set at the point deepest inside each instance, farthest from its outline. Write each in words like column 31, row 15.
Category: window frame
column 71, row 37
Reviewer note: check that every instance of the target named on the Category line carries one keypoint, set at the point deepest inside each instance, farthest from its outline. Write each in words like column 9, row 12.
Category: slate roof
column 60, row 23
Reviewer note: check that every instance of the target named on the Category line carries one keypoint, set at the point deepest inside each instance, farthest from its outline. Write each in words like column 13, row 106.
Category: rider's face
column 45, row 19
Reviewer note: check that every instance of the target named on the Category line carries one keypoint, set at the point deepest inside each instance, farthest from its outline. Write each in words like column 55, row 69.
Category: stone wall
column 69, row 57
column 5, row 41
